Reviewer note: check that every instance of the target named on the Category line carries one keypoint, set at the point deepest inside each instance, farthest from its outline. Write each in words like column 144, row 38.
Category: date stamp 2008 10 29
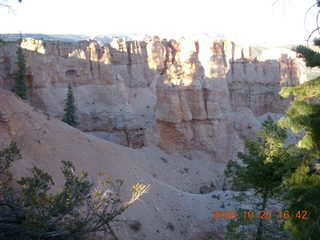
column 250, row 214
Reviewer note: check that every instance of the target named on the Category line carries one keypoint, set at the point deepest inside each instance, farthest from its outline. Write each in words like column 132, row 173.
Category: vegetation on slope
column 32, row 211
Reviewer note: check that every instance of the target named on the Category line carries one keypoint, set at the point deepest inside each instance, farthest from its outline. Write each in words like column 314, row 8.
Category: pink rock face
column 209, row 96
column 211, row 136
column 183, row 92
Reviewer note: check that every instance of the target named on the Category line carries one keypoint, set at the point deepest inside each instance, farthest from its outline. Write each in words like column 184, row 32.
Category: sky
column 252, row 21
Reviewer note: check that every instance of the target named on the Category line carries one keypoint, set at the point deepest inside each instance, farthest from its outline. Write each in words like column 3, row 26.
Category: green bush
column 32, row 211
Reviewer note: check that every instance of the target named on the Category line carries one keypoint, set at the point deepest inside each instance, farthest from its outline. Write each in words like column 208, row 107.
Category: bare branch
column 317, row 21
column 312, row 34
column 137, row 191
column 5, row 5
column 9, row 7
column 275, row 2
column 306, row 14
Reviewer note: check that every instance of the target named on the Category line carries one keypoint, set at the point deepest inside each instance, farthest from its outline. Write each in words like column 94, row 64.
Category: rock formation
column 4, row 117
column 181, row 95
column 200, row 103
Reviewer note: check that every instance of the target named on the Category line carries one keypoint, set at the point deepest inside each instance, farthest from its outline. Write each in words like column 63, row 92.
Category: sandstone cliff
column 181, row 95
column 209, row 94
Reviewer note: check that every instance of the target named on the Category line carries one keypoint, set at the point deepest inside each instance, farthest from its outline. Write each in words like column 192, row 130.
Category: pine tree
column 303, row 117
column 20, row 78
column 264, row 167
column 70, row 110
column 303, row 197
column 303, row 187
column 304, row 112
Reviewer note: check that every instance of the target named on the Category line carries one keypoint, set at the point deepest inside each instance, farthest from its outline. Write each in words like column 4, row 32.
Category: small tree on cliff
column 70, row 110
column 264, row 167
column 20, row 78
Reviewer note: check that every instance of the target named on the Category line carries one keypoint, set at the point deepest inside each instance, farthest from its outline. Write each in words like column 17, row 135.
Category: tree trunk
column 264, row 205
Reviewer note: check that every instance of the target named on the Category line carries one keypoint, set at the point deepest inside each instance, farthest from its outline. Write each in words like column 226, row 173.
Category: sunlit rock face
column 255, row 84
column 181, row 95
column 211, row 92
column 111, row 83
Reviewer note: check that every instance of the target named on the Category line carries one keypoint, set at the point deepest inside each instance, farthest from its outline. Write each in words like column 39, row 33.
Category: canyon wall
column 181, row 95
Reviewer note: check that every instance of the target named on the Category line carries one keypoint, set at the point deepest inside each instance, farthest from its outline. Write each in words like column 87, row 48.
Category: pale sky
column 252, row 21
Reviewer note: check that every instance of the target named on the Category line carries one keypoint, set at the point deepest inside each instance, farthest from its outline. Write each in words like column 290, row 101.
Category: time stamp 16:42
column 250, row 214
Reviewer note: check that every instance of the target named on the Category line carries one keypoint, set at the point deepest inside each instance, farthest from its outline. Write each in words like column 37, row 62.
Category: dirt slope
column 169, row 211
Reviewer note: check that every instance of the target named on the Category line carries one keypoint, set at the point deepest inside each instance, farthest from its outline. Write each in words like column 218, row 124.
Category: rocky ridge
column 181, row 95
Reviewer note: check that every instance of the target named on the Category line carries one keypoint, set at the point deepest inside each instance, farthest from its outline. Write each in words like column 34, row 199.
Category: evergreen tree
column 20, row 78
column 70, row 110
column 303, row 197
column 264, row 167
column 304, row 113
column 303, row 117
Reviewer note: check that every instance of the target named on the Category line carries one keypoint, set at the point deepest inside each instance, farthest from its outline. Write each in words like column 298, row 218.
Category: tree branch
column 312, row 34
column 317, row 21
column 306, row 14
column 275, row 2
column 9, row 7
